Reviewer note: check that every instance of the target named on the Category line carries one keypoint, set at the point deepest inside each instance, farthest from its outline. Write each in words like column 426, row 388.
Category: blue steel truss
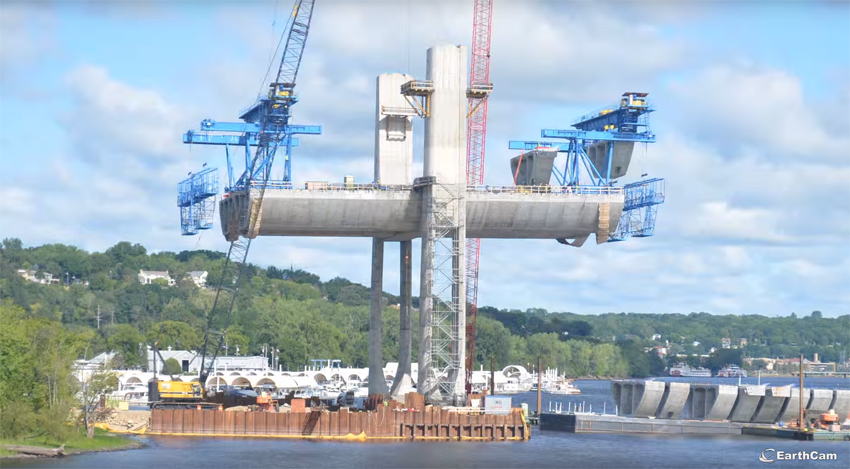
column 266, row 122
column 196, row 198
column 626, row 121
column 640, row 208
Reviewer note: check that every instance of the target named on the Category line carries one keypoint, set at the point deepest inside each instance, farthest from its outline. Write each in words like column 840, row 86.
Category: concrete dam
column 722, row 402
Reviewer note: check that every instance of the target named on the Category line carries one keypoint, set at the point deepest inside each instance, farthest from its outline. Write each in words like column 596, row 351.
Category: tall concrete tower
column 442, row 299
column 393, row 167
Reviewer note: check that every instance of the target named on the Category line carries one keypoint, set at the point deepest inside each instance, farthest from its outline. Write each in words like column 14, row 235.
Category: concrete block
column 393, row 131
column 711, row 401
column 648, row 396
column 674, row 400
column 841, row 404
column 771, row 405
column 820, row 402
column 637, row 398
column 749, row 398
column 533, row 167
column 792, row 405
column 622, row 156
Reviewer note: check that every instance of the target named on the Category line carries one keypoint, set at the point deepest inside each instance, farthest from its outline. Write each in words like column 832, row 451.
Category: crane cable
column 277, row 48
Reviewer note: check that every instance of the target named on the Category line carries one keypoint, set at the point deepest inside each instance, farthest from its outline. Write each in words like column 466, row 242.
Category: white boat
column 732, row 371
column 562, row 387
column 685, row 371
column 136, row 394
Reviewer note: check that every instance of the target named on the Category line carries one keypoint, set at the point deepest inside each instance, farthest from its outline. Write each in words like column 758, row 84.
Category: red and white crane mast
column 479, row 90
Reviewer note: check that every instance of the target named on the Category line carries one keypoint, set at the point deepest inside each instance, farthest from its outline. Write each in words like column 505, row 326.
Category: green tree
column 125, row 340
column 172, row 367
column 93, row 388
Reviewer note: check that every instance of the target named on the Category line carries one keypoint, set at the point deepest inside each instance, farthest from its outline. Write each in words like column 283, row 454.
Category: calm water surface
column 544, row 450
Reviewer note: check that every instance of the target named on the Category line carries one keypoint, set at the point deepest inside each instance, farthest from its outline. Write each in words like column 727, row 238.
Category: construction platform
column 394, row 213
column 794, row 434
column 600, row 423
column 384, row 423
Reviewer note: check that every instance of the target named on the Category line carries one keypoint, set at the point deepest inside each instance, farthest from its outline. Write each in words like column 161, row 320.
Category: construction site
column 565, row 189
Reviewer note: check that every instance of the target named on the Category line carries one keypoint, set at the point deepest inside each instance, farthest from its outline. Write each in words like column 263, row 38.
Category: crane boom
column 272, row 113
column 479, row 79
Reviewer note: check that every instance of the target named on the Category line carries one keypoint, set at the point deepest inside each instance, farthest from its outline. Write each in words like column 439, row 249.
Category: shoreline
column 130, row 443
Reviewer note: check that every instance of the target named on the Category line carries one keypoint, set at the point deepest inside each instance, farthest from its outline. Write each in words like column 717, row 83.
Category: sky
column 752, row 125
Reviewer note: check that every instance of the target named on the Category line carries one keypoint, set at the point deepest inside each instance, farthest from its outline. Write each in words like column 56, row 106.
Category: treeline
column 695, row 333
column 37, row 385
column 303, row 317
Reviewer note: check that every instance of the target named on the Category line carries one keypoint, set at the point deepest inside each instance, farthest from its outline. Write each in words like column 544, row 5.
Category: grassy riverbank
column 75, row 444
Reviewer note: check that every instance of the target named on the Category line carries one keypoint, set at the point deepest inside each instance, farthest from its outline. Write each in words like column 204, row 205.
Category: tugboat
column 732, row 371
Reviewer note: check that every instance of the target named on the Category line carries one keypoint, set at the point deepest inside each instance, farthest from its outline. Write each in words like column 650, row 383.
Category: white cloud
column 26, row 40
column 748, row 106
column 719, row 220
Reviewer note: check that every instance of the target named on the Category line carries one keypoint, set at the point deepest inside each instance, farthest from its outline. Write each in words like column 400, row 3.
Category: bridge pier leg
column 403, row 382
column 377, row 383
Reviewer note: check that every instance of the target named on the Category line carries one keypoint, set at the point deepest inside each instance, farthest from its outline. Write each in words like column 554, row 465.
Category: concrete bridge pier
column 403, row 382
column 841, row 404
column 792, row 405
column 377, row 382
column 749, row 398
column 637, row 398
column 673, row 401
column 393, row 165
column 711, row 401
column 820, row 402
column 770, row 407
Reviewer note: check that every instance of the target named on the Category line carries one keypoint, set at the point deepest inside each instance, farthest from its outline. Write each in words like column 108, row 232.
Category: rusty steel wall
column 384, row 422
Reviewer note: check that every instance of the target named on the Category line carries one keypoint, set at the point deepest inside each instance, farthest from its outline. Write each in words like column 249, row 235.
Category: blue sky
column 752, row 124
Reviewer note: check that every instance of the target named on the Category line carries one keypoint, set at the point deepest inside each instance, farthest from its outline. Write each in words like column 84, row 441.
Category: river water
column 544, row 450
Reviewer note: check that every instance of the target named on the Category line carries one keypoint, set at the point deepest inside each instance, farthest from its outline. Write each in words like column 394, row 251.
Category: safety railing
column 332, row 186
column 491, row 189
column 582, row 190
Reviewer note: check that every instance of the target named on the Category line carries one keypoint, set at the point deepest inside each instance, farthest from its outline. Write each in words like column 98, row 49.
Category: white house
column 199, row 277
column 190, row 361
column 31, row 276
column 28, row 275
column 147, row 277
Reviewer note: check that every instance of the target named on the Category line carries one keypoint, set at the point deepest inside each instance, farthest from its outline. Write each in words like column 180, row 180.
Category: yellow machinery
column 176, row 394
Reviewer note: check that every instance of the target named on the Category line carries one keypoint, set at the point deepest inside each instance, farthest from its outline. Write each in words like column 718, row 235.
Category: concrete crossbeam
column 397, row 215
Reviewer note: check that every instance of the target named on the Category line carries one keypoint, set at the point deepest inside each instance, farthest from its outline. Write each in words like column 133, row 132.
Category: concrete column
column 405, row 321
column 425, row 381
column 377, row 383
column 459, row 292
column 393, row 131
column 445, row 160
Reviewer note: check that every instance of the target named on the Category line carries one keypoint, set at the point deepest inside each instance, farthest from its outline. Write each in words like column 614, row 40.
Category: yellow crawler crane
column 176, row 394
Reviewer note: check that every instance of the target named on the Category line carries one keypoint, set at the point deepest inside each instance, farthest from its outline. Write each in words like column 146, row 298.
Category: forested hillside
column 304, row 317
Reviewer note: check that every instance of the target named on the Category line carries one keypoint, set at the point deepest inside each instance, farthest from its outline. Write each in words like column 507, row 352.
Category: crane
column 265, row 128
column 479, row 90
column 598, row 150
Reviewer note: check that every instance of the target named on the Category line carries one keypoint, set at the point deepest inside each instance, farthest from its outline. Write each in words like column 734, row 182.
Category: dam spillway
column 721, row 402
